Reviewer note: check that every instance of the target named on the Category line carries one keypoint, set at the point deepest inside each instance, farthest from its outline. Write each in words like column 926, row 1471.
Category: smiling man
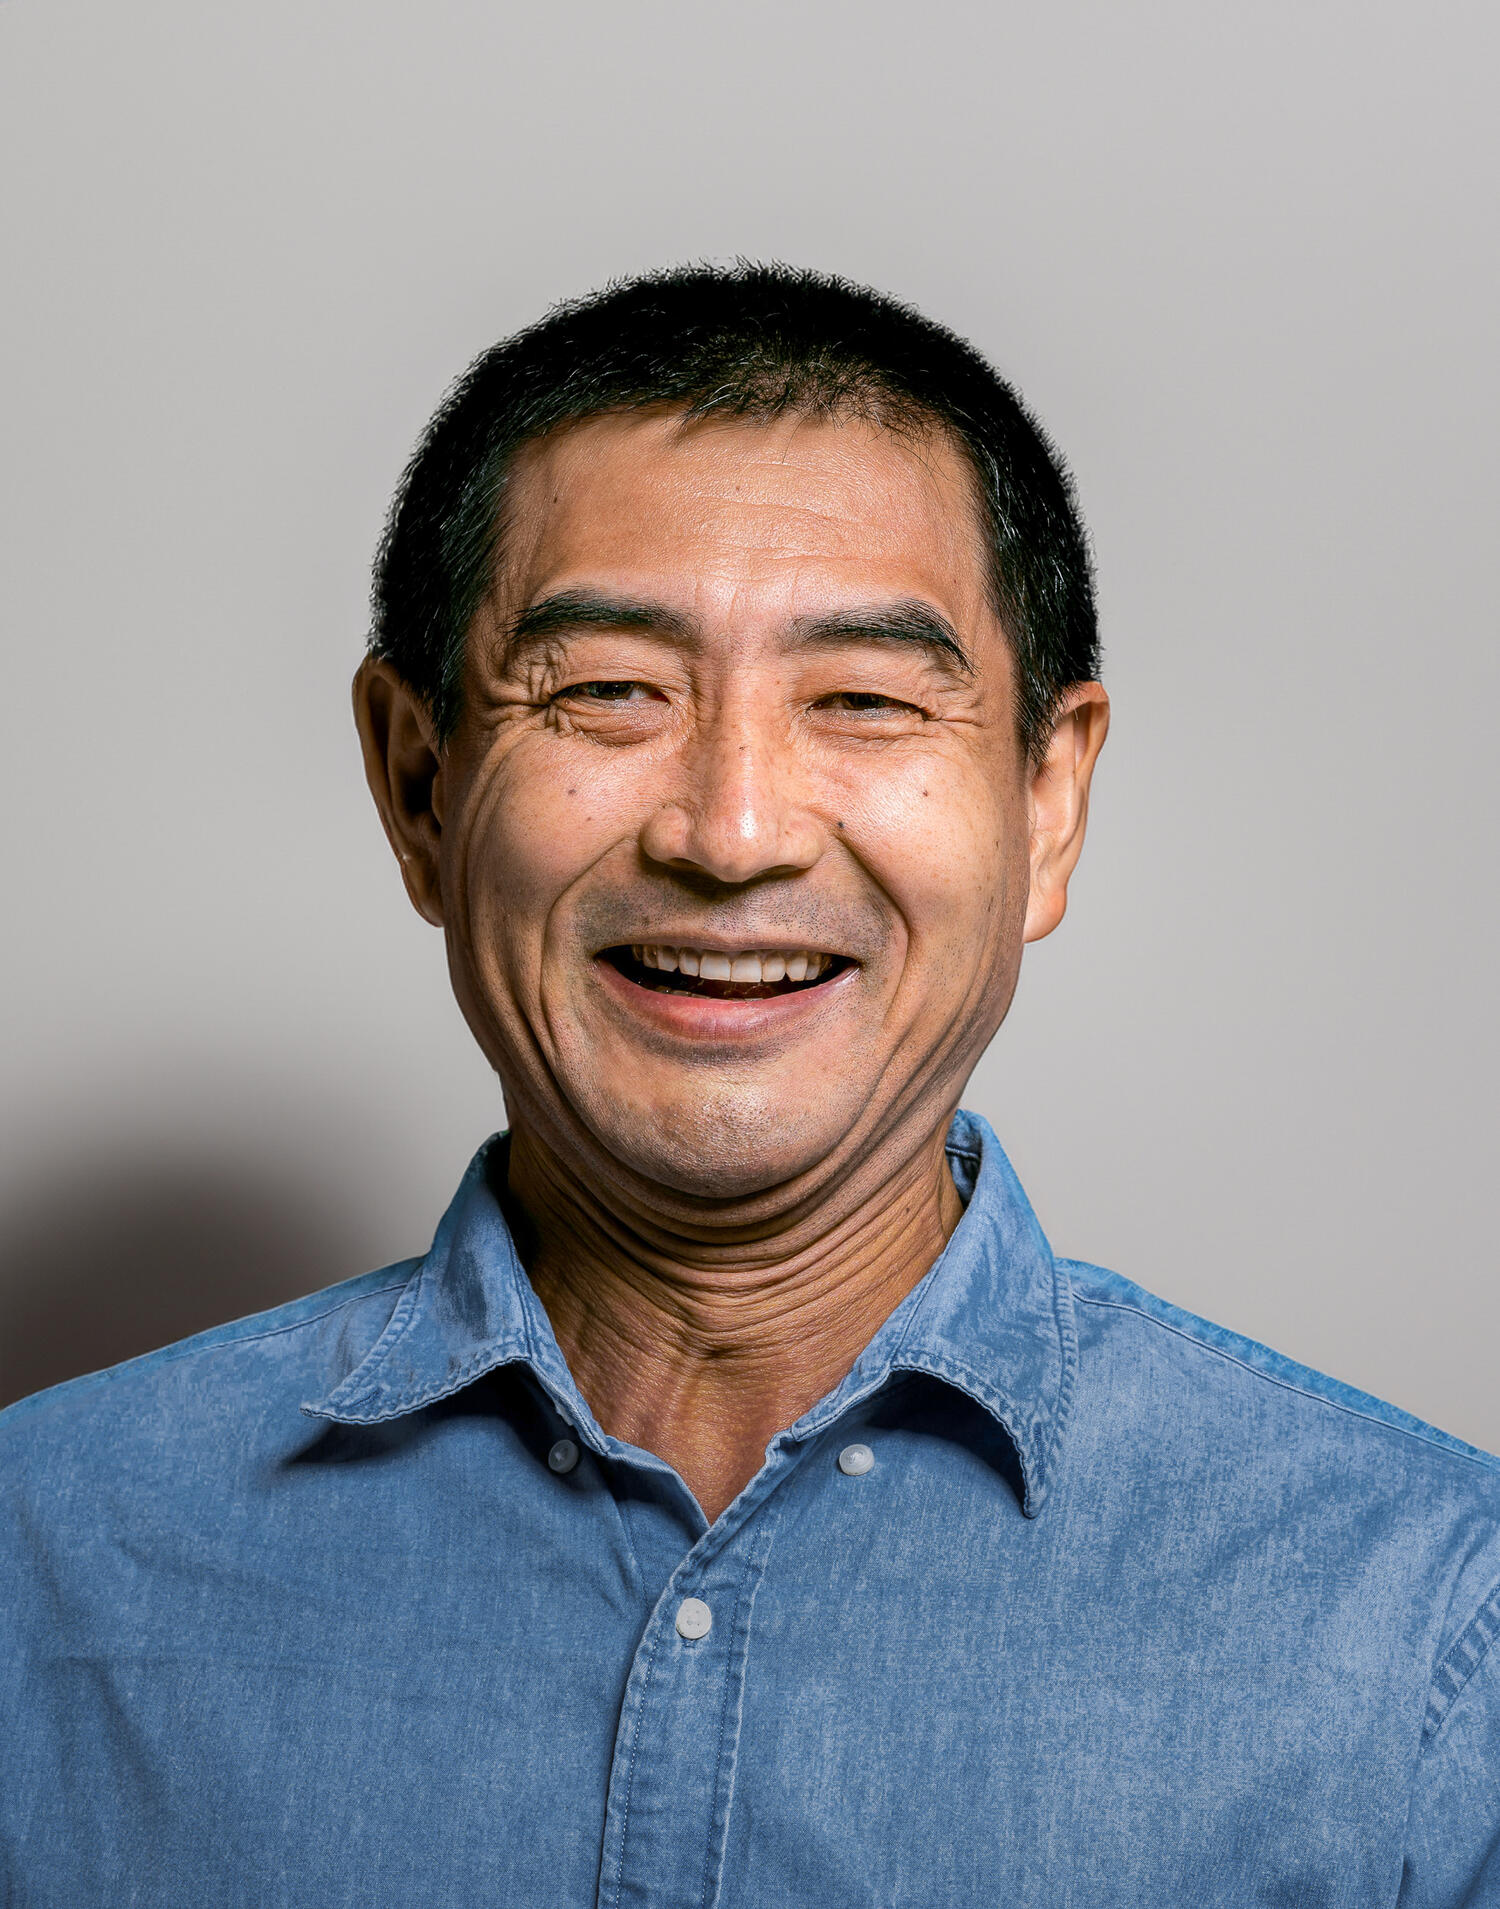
column 740, row 1503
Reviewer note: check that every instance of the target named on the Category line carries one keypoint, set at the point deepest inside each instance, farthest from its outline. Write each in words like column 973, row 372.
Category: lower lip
column 703, row 1017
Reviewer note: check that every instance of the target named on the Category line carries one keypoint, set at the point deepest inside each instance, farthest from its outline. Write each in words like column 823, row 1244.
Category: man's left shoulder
column 1190, row 1366
column 1349, row 1504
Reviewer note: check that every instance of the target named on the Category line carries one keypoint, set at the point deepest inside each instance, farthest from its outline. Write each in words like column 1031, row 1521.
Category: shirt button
column 563, row 1456
column 694, row 1619
column 856, row 1460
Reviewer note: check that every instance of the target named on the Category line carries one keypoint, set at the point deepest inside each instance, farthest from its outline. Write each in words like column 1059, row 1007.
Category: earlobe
column 1059, row 803
column 404, row 768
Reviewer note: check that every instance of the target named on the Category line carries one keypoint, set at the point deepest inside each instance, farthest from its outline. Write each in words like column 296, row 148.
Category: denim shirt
column 1060, row 1597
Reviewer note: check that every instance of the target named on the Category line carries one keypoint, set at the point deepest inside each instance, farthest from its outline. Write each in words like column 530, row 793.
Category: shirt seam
column 648, row 1671
column 1064, row 1295
column 1471, row 1648
column 1032, row 1453
column 716, row 1785
column 392, row 1333
column 1286, row 1385
column 956, row 1371
column 972, row 1157
column 771, row 1511
column 415, row 1399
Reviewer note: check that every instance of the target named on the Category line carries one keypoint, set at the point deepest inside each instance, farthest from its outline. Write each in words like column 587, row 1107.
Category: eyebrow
column 593, row 610
column 909, row 622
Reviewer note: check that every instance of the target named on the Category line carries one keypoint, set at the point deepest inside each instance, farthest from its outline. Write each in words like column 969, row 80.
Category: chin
column 723, row 1146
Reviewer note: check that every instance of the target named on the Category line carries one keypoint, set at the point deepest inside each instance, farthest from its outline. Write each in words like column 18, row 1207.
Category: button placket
column 676, row 1749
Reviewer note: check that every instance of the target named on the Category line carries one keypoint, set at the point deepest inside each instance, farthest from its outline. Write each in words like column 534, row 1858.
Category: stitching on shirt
column 1067, row 1333
column 413, row 1400
column 713, row 1794
column 1067, row 1336
column 770, row 1511
column 953, row 1153
column 955, row 1372
column 942, row 1367
column 169, row 1355
column 1302, row 1391
column 970, row 1156
column 635, row 1744
column 1459, row 1663
column 395, row 1329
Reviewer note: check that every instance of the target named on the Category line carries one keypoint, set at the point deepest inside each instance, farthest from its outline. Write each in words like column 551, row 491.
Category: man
column 740, row 1504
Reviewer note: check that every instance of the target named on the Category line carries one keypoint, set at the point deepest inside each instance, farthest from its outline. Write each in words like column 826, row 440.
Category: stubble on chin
column 725, row 1142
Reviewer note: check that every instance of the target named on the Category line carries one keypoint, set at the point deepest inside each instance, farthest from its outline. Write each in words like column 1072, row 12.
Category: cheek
column 948, row 843
column 526, row 833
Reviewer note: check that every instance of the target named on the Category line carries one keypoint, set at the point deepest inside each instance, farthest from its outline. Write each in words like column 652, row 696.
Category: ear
column 404, row 768
column 1060, row 803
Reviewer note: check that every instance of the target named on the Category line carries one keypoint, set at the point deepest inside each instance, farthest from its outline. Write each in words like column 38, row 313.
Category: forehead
column 783, row 517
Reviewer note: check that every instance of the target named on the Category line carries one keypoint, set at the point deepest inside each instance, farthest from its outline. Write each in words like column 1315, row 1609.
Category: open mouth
column 749, row 974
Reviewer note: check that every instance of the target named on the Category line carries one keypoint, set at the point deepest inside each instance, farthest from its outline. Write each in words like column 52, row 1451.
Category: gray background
column 1241, row 260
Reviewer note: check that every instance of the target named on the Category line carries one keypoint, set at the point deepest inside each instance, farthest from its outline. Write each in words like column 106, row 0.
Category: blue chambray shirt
column 315, row 1610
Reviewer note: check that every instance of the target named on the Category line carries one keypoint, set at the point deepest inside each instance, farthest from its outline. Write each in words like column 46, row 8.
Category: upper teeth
column 752, row 965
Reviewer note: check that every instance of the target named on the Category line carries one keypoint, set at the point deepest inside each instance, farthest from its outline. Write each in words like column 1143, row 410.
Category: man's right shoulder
column 250, row 1369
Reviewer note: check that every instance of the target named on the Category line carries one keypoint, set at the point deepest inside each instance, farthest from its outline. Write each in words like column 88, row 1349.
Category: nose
column 739, row 808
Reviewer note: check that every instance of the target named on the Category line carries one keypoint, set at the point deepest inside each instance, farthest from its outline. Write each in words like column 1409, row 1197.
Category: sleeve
column 1452, row 1857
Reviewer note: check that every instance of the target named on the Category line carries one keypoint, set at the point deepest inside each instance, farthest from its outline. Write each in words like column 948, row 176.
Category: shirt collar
column 993, row 1317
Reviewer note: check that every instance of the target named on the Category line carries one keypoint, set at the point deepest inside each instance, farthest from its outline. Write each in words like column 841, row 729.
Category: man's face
column 736, row 831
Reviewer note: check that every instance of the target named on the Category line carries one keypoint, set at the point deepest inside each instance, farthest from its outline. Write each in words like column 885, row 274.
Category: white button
column 694, row 1618
column 563, row 1456
column 856, row 1460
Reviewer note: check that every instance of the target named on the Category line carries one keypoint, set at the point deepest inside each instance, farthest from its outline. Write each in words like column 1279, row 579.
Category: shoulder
column 255, row 1368
column 137, row 1492
column 1284, row 1461
column 1193, row 1355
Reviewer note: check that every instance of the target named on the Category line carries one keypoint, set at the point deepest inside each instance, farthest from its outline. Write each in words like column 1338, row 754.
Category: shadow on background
column 107, row 1261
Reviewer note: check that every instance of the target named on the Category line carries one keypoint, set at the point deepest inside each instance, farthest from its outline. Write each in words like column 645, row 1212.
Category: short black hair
column 752, row 341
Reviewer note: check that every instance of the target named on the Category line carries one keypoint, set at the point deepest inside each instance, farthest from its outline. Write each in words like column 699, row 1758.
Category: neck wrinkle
column 615, row 1289
column 703, row 1354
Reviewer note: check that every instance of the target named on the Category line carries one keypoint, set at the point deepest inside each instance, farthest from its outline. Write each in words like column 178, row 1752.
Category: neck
column 701, row 1345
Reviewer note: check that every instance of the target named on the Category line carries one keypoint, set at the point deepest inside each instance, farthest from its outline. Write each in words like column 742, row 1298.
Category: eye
column 610, row 691
column 865, row 702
